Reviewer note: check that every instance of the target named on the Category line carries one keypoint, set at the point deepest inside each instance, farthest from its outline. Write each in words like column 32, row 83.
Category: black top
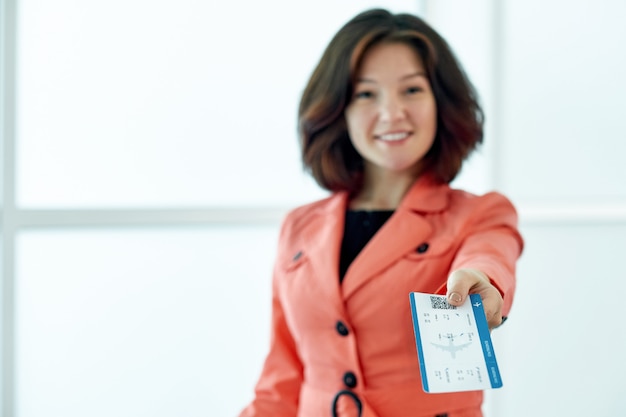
column 359, row 228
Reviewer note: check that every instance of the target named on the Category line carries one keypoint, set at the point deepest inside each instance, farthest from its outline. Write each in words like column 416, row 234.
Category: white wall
column 149, row 153
column 132, row 288
column 553, row 86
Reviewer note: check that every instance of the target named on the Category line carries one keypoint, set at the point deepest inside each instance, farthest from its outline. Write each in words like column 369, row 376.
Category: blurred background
column 149, row 153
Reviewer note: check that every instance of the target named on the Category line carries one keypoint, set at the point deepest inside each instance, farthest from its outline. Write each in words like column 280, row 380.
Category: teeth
column 393, row 136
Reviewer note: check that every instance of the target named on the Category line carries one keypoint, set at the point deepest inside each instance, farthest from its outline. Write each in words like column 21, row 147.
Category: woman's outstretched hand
column 463, row 282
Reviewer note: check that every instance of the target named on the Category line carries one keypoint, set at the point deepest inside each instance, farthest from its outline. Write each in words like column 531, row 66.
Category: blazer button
column 422, row 248
column 349, row 379
column 341, row 328
column 297, row 256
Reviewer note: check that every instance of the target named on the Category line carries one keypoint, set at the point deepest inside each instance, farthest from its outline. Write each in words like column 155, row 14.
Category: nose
column 391, row 109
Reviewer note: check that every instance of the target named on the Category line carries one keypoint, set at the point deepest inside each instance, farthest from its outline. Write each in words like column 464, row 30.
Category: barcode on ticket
column 441, row 303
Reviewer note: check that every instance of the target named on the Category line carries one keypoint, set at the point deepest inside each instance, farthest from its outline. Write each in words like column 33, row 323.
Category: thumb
column 460, row 282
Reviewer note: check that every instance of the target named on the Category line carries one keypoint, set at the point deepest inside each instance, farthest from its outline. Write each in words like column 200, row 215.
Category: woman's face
column 392, row 117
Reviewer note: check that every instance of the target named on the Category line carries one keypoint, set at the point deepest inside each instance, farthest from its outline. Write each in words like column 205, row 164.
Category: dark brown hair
column 326, row 148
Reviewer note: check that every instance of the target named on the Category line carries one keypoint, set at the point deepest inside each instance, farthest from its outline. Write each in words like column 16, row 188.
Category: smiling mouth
column 393, row 137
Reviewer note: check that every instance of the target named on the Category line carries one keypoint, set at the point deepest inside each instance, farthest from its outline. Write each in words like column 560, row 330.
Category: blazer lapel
column 321, row 239
column 402, row 233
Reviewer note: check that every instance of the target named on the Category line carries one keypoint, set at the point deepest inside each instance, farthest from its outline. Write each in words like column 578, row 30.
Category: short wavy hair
column 327, row 152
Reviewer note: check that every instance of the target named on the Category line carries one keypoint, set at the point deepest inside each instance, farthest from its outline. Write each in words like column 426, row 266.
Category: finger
column 459, row 284
column 492, row 305
column 495, row 321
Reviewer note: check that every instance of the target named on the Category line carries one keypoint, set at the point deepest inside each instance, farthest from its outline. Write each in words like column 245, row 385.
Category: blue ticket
column 454, row 346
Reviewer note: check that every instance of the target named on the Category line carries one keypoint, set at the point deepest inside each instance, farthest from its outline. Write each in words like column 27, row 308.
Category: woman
column 386, row 121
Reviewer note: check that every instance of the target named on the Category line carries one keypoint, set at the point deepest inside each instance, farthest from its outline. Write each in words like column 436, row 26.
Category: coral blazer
column 358, row 335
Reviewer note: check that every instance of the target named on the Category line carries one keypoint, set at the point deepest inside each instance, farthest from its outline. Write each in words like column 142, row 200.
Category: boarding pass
column 454, row 346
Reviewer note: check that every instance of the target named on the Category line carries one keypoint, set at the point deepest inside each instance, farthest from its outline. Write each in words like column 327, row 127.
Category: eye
column 414, row 90
column 365, row 94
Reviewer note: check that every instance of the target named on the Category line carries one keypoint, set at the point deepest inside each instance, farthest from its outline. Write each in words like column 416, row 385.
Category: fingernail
column 455, row 297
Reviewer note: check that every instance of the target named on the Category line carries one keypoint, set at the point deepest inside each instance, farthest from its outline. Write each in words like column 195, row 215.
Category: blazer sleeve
column 493, row 244
column 278, row 389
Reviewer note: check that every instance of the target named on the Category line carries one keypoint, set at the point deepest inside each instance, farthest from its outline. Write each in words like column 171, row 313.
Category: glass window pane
column 164, row 322
column 566, row 324
column 563, row 94
column 154, row 103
